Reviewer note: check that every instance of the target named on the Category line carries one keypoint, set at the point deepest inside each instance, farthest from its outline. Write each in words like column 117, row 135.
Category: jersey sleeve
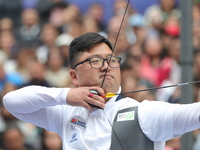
column 161, row 121
column 31, row 104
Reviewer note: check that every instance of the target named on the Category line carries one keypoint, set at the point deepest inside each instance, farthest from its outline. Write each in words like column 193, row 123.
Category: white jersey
column 80, row 129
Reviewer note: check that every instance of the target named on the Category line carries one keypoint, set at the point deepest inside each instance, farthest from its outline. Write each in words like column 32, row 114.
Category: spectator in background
column 70, row 14
column 96, row 11
column 131, row 83
column 56, row 14
column 72, row 20
column 171, row 49
column 7, row 121
column 90, row 25
column 14, row 140
column 45, row 7
column 196, row 27
column 120, row 6
column 6, row 24
column 49, row 34
column 56, row 74
column 196, row 11
column 122, row 44
column 174, row 53
column 51, row 141
column 36, row 72
column 13, row 77
column 172, row 95
column 173, row 144
column 133, row 60
column 196, row 35
column 114, row 25
column 156, row 14
column 18, row 64
column 11, row 9
column 114, row 22
column 170, row 33
column 154, row 67
column 29, row 32
column 196, row 69
column 137, row 24
column 62, row 42
column 8, row 44
column 171, row 26
column 75, row 28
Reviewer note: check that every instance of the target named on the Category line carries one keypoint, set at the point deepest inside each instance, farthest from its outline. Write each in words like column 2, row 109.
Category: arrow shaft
column 161, row 87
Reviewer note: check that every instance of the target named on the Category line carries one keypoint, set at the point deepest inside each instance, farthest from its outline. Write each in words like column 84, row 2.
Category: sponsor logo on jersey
column 78, row 123
column 73, row 138
column 126, row 116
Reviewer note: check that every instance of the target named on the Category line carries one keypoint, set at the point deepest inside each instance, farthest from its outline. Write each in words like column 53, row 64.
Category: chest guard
column 127, row 129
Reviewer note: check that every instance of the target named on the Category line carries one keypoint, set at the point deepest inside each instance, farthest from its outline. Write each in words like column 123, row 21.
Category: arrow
column 151, row 89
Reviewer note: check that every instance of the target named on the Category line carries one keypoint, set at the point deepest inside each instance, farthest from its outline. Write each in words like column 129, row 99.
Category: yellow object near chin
column 109, row 95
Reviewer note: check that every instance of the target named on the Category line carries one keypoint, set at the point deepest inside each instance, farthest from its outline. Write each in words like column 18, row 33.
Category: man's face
column 85, row 75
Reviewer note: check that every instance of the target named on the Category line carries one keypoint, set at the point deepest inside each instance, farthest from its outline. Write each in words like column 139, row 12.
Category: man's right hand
column 80, row 97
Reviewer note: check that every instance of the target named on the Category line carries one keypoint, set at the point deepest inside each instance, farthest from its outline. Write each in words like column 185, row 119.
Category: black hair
column 84, row 43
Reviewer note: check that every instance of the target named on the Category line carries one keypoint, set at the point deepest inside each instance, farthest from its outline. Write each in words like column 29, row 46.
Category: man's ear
column 73, row 77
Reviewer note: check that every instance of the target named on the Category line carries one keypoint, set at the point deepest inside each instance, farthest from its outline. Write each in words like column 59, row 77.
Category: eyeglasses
column 98, row 62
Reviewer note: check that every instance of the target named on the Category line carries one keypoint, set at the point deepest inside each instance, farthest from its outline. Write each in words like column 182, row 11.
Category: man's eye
column 94, row 60
column 113, row 60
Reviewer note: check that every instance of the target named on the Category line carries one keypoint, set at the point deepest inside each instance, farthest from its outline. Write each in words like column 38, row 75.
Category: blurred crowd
column 34, row 51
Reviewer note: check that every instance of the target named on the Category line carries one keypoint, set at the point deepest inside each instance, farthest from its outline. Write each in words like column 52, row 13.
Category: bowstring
column 115, row 43
column 107, row 70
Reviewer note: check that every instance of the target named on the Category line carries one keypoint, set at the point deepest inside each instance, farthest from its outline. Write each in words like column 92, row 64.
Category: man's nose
column 105, row 65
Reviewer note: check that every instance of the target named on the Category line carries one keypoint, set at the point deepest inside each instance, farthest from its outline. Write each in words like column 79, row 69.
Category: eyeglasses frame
column 104, row 59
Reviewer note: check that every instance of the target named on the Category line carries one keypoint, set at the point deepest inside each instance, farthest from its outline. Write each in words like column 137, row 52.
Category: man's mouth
column 106, row 75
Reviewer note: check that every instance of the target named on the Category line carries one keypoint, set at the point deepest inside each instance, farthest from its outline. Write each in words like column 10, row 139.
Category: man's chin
column 90, row 85
column 109, row 88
